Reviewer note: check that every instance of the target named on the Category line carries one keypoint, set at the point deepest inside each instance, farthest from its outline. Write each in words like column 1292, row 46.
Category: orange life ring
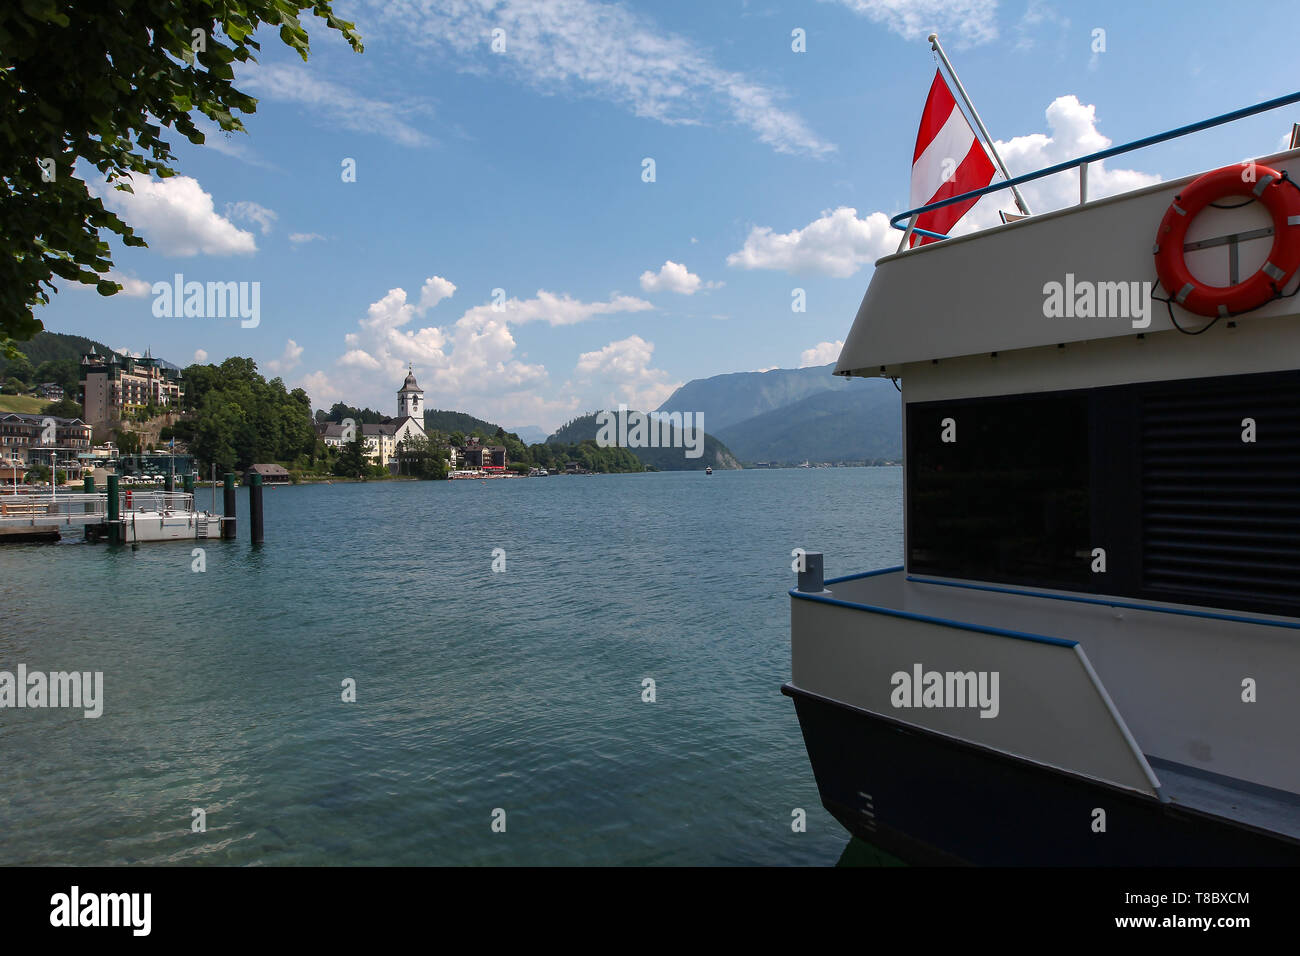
column 1280, row 198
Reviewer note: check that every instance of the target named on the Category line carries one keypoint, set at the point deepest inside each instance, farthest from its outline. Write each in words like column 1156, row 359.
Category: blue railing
column 1090, row 158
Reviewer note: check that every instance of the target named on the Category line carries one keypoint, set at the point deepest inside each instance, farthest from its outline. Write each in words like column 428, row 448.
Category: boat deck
column 1210, row 698
column 1264, row 808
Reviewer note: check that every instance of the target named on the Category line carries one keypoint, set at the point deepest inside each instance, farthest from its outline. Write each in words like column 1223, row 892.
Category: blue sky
column 522, row 170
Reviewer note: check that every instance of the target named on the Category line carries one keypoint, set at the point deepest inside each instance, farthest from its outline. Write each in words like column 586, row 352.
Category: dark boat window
column 1006, row 497
column 1220, row 464
column 1192, row 488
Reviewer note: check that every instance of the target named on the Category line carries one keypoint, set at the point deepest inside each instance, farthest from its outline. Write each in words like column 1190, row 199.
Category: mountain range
column 795, row 415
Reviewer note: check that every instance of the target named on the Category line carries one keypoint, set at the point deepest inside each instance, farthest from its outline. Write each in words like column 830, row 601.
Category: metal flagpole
column 961, row 90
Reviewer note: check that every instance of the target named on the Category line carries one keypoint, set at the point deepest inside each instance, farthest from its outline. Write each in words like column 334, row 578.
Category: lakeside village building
column 113, row 387
column 25, row 440
column 383, row 440
column 24, row 443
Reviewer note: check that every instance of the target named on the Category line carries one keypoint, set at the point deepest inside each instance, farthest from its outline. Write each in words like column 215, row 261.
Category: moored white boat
column 1091, row 653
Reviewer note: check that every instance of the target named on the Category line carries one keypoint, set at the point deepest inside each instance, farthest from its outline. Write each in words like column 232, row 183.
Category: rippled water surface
column 475, row 690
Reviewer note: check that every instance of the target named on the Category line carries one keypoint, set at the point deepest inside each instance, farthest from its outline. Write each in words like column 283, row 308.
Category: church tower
column 410, row 400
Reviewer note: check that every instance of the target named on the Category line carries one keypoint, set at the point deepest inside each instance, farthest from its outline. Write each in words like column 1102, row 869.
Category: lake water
column 475, row 690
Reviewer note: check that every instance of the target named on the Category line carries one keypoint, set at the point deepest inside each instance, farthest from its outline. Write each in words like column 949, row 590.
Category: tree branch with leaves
column 99, row 84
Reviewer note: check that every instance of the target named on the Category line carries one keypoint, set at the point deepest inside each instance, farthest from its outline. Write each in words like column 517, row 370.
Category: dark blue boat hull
column 928, row 799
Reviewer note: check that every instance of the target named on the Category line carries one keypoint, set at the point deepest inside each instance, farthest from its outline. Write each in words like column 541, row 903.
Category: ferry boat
column 1091, row 652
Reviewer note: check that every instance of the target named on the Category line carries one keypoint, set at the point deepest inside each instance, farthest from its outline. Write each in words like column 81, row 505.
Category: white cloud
column 624, row 368
column 248, row 211
column 300, row 237
column 434, row 290
column 177, row 217
column 359, row 358
column 320, row 389
column 674, row 277
column 1036, row 14
column 836, row 244
column 839, row 243
column 969, row 22
column 470, row 363
column 822, row 353
column 297, row 84
column 602, row 50
column 288, row 359
column 200, row 356
column 134, row 288
column 131, row 287
column 1073, row 133
column 554, row 309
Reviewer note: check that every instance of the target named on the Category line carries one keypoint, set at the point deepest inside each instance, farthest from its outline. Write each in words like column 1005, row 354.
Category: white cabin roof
column 984, row 292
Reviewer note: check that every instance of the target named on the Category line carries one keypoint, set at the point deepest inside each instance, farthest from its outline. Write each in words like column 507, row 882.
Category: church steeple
column 410, row 398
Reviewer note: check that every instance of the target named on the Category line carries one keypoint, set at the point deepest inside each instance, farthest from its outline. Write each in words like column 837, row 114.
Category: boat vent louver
column 1221, row 516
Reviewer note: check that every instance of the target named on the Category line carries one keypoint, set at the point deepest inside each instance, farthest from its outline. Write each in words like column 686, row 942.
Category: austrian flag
column 948, row 161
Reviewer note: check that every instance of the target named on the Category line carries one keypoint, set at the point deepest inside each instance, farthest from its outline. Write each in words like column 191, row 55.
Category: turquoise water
column 476, row 690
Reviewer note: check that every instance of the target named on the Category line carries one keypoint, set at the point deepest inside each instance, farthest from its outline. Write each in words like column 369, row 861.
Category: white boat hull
column 170, row 526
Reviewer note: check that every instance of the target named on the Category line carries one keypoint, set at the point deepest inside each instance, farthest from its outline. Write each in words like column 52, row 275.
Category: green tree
column 420, row 458
column 63, row 408
column 362, row 416
column 351, row 461
column 182, row 431
column 20, row 366
column 65, row 373
column 128, row 443
column 199, row 380
column 99, row 84
column 239, row 419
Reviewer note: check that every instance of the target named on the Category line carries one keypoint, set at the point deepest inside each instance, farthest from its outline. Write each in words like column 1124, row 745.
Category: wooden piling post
column 228, row 522
column 114, row 514
column 255, row 506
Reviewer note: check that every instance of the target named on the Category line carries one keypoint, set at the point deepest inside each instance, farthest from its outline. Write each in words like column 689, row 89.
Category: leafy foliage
column 64, row 408
column 352, row 462
column 553, row 456
column 436, row 419
column 20, row 367
column 422, row 459
column 240, row 419
column 65, row 373
column 584, row 430
column 128, row 442
column 99, row 84
column 55, row 347
column 362, row 416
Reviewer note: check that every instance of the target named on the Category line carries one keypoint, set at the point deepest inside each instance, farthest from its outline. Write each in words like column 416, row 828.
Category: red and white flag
column 948, row 161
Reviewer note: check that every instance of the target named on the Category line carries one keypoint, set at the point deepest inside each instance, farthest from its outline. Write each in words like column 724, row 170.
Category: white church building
column 383, row 440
